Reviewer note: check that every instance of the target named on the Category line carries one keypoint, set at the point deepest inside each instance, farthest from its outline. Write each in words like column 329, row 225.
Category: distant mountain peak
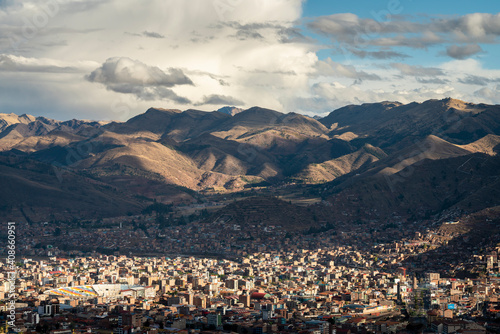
column 450, row 99
column 230, row 110
column 11, row 119
column 391, row 103
column 259, row 115
column 455, row 103
column 413, row 159
column 156, row 110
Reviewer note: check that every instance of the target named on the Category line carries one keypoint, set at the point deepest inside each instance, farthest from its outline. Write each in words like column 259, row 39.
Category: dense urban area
column 250, row 279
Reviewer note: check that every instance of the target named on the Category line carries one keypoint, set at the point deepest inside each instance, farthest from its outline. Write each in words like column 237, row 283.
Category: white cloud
column 381, row 54
column 477, row 80
column 194, row 46
column 399, row 31
column 123, row 70
column 12, row 63
column 476, row 27
column 488, row 93
column 329, row 96
column 463, row 51
column 248, row 52
column 417, row 71
column 128, row 76
column 220, row 100
column 462, row 68
column 330, row 68
column 414, row 83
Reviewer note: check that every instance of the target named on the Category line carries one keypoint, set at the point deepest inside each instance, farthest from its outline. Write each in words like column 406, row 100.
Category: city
column 267, row 292
column 249, row 166
column 258, row 279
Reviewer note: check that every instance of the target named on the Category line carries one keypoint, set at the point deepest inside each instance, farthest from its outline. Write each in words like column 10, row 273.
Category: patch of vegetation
column 159, row 208
column 324, row 228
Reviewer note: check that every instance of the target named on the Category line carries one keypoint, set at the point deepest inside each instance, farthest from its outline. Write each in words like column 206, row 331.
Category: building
column 214, row 319
column 130, row 319
column 245, row 300
column 103, row 290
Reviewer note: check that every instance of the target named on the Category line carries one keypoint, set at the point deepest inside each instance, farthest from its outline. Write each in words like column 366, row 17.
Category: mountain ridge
column 218, row 152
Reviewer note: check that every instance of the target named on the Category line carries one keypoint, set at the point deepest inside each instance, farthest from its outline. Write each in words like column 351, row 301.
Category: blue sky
column 408, row 7
column 412, row 9
column 113, row 59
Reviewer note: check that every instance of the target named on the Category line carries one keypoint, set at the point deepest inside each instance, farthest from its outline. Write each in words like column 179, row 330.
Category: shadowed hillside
column 388, row 157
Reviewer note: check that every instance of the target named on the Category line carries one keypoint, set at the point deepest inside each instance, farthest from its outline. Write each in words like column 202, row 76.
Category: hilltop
column 415, row 159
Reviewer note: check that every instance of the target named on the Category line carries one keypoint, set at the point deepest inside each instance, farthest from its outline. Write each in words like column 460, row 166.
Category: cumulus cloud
column 252, row 51
column 152, row 34
column 128, row 76
column 423, row 41
column 475, row 27
column 477, row 80
column 220, row 79
column 123, row 70
column 329, row 96
column 330, row 68
column 215, row 99
column 417, row 71
column 378, row 54
column 463, row 51
column 293, row 35
column 21, row 64
column 283, row 33
column 247, row 31
column 399, row 31
column 195, row 43
column 11, row 63
column 351, row 29
column 437, row 81
column 248, row 34
column 150, row 93
column 488, row 93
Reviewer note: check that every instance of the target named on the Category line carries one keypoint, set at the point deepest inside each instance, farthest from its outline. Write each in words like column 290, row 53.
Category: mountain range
column 373, row 160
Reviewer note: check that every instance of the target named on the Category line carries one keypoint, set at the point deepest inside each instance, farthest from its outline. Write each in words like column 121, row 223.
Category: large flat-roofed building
column 103, row 290
column 83, row 291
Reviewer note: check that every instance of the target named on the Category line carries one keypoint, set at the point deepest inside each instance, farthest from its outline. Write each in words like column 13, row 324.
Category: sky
column 114, row 59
